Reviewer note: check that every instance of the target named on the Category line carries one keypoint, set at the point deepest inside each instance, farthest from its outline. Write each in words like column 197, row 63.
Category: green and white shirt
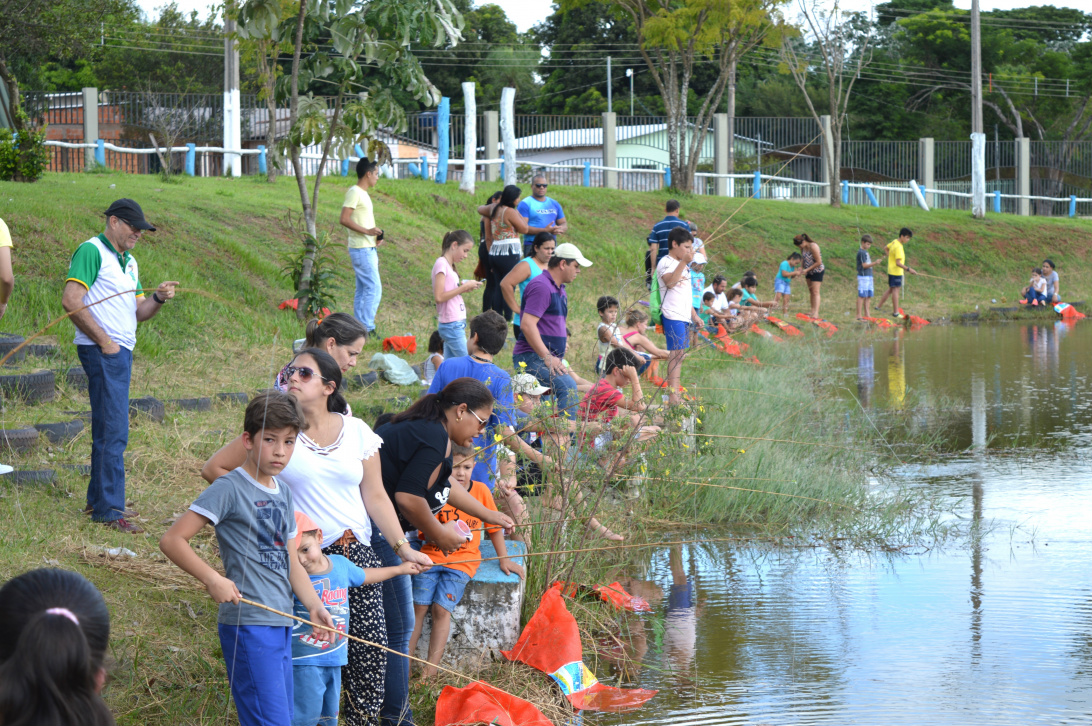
column 97, row 266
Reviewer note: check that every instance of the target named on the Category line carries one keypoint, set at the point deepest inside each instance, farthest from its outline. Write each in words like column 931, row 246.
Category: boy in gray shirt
column 252, row 515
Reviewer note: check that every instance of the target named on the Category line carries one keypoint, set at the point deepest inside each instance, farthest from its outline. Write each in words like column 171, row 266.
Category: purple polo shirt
column 548, row 302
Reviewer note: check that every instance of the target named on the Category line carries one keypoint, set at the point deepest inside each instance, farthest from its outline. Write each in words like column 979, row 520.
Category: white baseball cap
column 569, row 251
column 526, row 383
column 699, row 259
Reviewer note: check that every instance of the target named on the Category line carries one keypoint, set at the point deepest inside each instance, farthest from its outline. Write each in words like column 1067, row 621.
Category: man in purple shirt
column 544, row 307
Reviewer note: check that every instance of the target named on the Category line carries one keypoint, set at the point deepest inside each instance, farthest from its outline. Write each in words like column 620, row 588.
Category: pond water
column 993, row 629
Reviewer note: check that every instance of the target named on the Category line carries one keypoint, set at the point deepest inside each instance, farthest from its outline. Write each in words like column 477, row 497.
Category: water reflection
column 680, row 622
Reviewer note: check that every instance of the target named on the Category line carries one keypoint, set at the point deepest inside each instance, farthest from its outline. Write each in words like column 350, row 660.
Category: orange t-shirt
column 465, row 559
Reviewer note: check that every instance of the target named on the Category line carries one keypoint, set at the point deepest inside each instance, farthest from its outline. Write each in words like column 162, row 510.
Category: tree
column 329, row 103
column 32, row 31
column 675, row 39
column 264, row 46
column 838, row 53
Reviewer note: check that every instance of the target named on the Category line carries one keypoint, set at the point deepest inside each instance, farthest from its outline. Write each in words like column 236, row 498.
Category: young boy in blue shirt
column 253, row 517
column 316, row 665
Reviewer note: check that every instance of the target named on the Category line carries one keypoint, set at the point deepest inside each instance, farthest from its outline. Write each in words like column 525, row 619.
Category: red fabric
column 400, row 344
column 482, row 703
column 294, row 303
column 819, row 322
column 786, row 327
column 608, row 698
column 616, row 595
column 1071, row 313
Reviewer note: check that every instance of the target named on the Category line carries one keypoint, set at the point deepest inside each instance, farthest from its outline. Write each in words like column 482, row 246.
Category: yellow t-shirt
column 358, row 200
column 895, row 254
column 5, row 236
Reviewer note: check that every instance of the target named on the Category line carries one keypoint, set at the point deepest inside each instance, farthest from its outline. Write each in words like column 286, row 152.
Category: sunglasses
column 481, row 422
column 305, row 373
column 541, row 186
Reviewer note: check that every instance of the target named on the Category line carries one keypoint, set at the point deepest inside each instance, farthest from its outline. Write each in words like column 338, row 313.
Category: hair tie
column 65, row 613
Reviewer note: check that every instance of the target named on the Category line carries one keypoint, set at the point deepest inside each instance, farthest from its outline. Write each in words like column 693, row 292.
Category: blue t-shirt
column 539, row 214
column 784, row 267
column 333, row 589
column 499, row 383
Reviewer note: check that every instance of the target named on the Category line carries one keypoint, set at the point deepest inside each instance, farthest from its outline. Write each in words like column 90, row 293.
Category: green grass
column 223, row 239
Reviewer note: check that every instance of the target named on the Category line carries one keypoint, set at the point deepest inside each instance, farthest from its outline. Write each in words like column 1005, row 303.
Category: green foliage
column 325, row 279
column 23, row 156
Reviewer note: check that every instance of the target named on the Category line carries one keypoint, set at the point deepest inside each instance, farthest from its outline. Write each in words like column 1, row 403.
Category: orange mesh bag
column 400, row 344
column 787, row 327
column 481, row 703
column 616, row 595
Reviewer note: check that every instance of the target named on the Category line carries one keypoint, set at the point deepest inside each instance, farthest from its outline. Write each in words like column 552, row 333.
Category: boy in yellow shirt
column 896, row 267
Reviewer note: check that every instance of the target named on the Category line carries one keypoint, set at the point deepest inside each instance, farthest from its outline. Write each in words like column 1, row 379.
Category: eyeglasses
column 541, row 186
column 481, row 421
column 130, row 226
column 304, row 373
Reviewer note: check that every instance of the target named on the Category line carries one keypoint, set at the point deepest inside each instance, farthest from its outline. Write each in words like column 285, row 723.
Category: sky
column 525, row 13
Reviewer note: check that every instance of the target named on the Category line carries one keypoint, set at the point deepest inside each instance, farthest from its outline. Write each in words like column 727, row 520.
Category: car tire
column 29, row 387
column 60, row 433
column 76, row 377
column 8, row 343
column 18, row 439
column 149, row 406
column 25, row 477
column 194, row 404
column 239, row 398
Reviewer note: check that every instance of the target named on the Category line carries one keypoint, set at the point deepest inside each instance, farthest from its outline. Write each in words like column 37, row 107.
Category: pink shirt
column 453, row 309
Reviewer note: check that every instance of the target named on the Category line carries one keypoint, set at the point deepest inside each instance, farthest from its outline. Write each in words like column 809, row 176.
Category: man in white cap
column 543, row 337
column 102, row 291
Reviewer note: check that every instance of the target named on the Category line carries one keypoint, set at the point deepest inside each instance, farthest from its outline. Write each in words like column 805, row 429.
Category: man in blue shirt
column 542, row 213
column 657, row 239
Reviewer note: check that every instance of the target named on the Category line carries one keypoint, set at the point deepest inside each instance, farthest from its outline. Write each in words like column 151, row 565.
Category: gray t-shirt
column 253, row 526
column 863, row 258
column 1051, row 281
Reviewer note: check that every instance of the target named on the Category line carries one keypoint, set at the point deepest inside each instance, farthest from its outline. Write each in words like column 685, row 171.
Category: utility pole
column 629, row 73
column 976, row 69
column 233, row 134
column 610, row 100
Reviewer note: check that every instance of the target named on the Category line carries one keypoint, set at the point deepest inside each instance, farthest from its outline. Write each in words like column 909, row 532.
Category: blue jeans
column 108, row 387
column 563, row 387
column 369, row 288
column 454, row 337
column 316, row 695
column 398, row 610
column 259, row 668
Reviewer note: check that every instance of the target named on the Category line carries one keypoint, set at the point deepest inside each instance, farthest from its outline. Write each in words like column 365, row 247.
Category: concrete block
column 487, row 619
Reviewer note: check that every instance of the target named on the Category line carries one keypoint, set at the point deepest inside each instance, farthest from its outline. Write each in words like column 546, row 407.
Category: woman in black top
column 416, row 462
column 484, row 243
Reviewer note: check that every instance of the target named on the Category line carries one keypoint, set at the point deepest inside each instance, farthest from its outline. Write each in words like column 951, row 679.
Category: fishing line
column 616, row 547
column 760, row 491
column 759, row 438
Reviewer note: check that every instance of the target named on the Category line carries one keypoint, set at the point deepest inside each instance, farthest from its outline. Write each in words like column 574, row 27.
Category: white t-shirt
column 675, row 302
column 1040, row 285
column 720, row 300
column 325, row 481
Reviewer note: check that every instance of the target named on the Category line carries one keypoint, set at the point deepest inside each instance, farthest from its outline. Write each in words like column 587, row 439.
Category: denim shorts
column 677, row 333
column 441, row 586
column 782, row 286
column 894, row 280
column 865, row 286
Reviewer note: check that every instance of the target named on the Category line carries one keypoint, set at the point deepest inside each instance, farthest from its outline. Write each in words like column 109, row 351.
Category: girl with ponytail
column 339, row 334
column 54, row 630
column 334, row 475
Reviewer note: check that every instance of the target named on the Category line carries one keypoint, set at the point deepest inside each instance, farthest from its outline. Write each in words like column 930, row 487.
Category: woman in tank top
column 503, row 229
column 527, row 269
column 812, row 268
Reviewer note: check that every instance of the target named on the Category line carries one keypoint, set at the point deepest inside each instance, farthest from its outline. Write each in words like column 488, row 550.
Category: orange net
column 400, row 344
column 479, row 702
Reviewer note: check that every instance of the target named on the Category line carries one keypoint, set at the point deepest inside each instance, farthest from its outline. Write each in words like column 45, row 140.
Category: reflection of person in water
column 896, row 372
column 634, row 634
column 680, row 621
column 866, row 374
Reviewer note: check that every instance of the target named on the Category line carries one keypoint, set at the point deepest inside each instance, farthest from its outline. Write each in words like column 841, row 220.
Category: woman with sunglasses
column 336, row 479
column 416, row 463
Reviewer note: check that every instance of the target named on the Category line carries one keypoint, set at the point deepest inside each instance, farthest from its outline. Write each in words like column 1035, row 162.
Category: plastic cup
column 462, row 528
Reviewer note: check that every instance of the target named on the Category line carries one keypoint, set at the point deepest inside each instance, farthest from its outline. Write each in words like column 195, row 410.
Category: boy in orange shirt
column 441, row 587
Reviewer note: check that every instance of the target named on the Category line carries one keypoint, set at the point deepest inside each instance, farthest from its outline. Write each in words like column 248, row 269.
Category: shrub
column 23, row 157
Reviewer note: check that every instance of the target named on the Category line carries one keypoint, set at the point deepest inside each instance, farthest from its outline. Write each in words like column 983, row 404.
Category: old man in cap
column 102, row 292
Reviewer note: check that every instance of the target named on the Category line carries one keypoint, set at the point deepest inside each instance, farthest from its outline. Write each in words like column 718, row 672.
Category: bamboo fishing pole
column 327, row 628
column 606, row 549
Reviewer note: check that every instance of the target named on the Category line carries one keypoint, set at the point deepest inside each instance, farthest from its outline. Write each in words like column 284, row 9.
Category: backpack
column 655, row 299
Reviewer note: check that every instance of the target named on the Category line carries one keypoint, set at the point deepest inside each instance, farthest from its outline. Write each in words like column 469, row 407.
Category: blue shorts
column 441, row 586
column 317, row 695
column 894, row 280
column 259, row 668
column 782, row 286
column 677, row 333
column 865, row 286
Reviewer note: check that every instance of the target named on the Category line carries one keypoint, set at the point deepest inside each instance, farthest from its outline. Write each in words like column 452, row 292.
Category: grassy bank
column 223, row 238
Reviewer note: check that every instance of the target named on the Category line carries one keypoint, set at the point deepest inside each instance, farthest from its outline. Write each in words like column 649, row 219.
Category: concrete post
column 508, row 132
column 263, row 163
column 233, row 122
column 721, row 151
column 978, row 175
column 610, row 149
column 90, row 123
column 927, row 167
column 826, row 149
column 492, row 143
column 443, row 144
column 470, row 141
column 1023, row 176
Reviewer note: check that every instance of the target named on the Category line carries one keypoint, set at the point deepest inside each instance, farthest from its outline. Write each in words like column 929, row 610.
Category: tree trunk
column 12, row 84
column 297, row 167
column 268, row 76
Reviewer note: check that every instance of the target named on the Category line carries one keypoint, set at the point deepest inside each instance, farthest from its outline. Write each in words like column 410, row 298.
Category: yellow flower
column 685, row 446
column 498, row 437
column 519, row 398
column 701, row 409
column 522, row 364
column 667, row 473
column 698, row 420
column 742, row 451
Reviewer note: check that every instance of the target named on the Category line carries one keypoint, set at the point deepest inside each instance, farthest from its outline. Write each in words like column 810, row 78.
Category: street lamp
column 629, row 74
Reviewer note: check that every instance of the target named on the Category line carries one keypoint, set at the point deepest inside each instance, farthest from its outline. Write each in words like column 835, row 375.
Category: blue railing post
column 345, row 167
column 1072, row 205
column 424, row 167
column 845, row 192
column 997, row 201
column 443, row 142
column 359, row 151
column 587, row 173
column 502, row 171
column 871, row 197
column 413, row 170
column 921, row 188
column 667, row 177
column 263, row 165
column 191, row 159
column 758, row 184
column 100, row 152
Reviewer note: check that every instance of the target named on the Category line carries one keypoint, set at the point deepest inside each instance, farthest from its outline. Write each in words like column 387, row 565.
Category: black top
column 411, row 451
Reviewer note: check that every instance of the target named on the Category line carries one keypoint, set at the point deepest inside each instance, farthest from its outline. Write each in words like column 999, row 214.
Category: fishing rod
column 762, row 491
column 606, row 549
column 758, row 438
